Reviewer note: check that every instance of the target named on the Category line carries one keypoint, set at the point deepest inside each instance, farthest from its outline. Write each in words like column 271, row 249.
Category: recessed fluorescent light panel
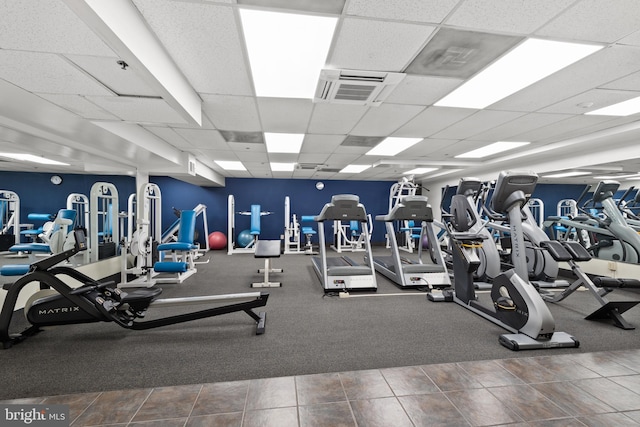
column 33, row 159
column 354, row 168
column 488, row 150
column 567, row 174
column 286, row 51
column 624, row 108
column 282, row 167
column 230, row 165
column 392, row 146
column 531, row 61
column 419, row 171
column 283, row 142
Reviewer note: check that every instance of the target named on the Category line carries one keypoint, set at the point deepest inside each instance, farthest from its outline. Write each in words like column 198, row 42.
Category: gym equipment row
column 600, row 225
column 516, row 304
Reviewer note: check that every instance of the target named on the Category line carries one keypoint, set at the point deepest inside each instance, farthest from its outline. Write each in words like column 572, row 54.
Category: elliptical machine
column 59, row 304
column 517, row 306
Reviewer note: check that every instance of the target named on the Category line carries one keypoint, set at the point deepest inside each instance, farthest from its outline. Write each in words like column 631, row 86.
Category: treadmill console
column 343, row 207
column 512, row 187
column 604, row 190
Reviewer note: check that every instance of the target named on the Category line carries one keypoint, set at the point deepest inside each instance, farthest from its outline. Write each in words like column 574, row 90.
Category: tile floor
column 587, row 389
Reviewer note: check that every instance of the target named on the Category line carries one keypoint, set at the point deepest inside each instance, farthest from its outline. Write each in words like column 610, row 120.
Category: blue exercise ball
column 244, row 238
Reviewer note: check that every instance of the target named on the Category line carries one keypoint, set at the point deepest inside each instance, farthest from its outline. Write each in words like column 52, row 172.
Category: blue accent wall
column 38, row 195
column 305, row 199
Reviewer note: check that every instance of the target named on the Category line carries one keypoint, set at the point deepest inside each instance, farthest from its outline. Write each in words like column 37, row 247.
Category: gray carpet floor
column 306, row 332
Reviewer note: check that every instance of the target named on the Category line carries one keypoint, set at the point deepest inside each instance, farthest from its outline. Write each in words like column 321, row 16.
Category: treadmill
column 406, row 272
column 342, row 273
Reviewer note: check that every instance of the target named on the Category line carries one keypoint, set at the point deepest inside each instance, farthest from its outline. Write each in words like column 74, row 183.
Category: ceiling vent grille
column 356, row 87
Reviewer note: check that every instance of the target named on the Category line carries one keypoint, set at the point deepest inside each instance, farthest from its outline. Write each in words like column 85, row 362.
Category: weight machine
column 10, row 218
column 144, row 231
column 171, row 234
column 103, row 221
column 255, row 213
column 349, row 236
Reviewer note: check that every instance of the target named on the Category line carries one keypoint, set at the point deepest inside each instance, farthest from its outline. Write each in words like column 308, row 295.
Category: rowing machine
column 93, row 301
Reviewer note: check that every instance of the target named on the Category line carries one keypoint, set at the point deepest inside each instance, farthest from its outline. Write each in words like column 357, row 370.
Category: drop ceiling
column 66, row 94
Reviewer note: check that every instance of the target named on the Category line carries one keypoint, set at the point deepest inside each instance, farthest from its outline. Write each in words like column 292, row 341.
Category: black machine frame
column 96, row 301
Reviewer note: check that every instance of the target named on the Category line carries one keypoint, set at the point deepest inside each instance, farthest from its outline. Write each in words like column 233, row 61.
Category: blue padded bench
column 170, row 267
column 14, row 269
column 35, row 232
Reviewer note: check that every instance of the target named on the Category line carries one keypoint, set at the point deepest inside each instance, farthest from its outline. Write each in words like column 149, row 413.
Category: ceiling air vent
column 356, row 87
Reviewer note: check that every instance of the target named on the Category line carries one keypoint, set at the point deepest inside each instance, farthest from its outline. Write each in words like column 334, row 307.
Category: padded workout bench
column 267, row 249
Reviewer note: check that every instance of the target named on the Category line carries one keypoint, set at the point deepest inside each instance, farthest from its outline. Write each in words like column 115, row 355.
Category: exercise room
column 319, row 213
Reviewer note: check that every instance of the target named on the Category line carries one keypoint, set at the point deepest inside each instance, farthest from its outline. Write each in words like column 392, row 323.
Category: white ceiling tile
column 324, row 6
column 314, row 158
column 518, row 126
column 79, row 105
column 204, row 138
column 47, row 26
column 252, row 156
column 377, row 45
column 324, row 144
column 283, row 157
column 429, row 145
column 520, row 17
column 351, row 149
column 422, row 90
column 168, row 134
column 46, row 73
column 226, row 112
column 107, row 71
column 204, row 41
column 630, row 82
column 284, row 114
column 450, row 151
column 433, row 120
column 138, row 109
column 595, row 70
column 385, row 119
column 632, row 39
column 248, row 147
column 337, row 119
column 341, row 160
column 599, row 97
column 558, row 130
column 407, row 10
column 477, row 123
column 226, row 155
column 595, row 20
